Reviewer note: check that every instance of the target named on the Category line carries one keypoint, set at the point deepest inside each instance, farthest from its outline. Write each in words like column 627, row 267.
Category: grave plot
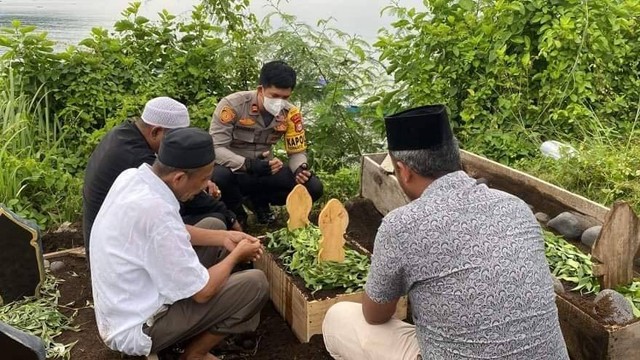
column 311, row 267
column 594, row 327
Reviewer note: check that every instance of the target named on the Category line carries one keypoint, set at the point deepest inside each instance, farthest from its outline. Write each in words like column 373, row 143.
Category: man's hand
column 302, row 174
column 275, row 163
column 213, row 190
column 247, row 250
column 232, row 238
column 257, row 167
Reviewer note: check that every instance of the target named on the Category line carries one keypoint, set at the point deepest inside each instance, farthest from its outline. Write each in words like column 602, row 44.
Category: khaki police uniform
column 239, row 131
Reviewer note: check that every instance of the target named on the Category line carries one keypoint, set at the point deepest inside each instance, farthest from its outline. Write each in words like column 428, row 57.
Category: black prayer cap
column 186, row 148
column 422, row 128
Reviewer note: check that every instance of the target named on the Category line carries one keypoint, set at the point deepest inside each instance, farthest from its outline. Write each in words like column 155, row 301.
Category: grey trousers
column 235, row 309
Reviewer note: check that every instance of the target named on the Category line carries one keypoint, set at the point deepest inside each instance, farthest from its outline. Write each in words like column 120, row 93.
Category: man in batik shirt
column 470, row 258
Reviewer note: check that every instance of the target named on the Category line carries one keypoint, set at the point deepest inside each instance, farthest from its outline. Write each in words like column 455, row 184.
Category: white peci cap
column 166, row 112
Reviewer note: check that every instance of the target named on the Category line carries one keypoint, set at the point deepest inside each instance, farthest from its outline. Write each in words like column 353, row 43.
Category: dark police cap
column 422, row 128
column 186, row 148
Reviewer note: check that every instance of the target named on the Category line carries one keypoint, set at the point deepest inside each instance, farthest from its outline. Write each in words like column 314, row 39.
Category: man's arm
column 376, row 314
column 226, row 238
column 294, row 140
column 386, row 279
column 247, row 250
column 221, row 129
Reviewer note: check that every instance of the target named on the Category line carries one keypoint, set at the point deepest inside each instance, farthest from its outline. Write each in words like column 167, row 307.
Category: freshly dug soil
column 364, row 221
column 277, row 340
column 55, row 241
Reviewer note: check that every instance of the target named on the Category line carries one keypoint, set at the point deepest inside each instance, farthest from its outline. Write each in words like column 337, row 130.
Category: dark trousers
column 204, row 205
column 261, row 190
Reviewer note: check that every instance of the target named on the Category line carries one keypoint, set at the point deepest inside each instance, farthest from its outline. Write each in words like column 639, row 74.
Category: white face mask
column 273, row 106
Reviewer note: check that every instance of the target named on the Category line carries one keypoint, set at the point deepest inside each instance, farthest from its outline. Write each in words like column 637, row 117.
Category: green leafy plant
column 298, row 251
column 570, row 264
column 514, row 72
column 599, row 171
column 41, row 317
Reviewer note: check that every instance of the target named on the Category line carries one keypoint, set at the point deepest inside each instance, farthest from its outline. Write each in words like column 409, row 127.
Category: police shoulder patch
column 227, row 114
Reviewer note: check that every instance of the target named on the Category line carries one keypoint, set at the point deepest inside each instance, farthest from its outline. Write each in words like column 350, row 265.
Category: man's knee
column 222, row 175
column 315, row 188
column 211, row 223
column 340, row 315
column 255, row 282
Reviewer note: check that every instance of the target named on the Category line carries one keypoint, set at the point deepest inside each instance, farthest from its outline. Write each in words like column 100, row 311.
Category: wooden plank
column 387, row 165
column 78, row 252
column 615, row 248
column 304, row 316
column 539, row 193
column 625, row 342
column 586, row 339
column 333, row 222
column 383, row 189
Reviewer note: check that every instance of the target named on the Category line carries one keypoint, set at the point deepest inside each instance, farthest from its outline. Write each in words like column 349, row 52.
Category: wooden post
column 616, row 247
column 298, row 206
column 333, row 222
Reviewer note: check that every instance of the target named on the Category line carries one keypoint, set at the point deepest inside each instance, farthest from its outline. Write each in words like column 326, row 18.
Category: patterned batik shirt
column 472, row 261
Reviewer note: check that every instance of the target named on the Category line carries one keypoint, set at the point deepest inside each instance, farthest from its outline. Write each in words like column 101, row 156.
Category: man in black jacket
column 133, row 143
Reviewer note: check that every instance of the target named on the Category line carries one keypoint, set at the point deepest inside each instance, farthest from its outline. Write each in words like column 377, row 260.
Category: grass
column 34, row 182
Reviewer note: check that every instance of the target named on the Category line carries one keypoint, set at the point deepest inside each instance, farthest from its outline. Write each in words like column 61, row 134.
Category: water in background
column 69, row 21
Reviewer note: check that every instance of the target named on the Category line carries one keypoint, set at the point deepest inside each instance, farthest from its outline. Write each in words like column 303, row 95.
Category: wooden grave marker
column 333, row 222
column 298, row 206
column 21, row 260
column 616, row 247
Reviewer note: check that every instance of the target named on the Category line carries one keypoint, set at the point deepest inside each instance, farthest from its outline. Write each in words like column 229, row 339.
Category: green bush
column 515, row 72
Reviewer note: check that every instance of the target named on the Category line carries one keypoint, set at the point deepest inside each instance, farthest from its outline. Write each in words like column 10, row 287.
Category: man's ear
column 156, row 131
column 177, row 177
column 404, row 172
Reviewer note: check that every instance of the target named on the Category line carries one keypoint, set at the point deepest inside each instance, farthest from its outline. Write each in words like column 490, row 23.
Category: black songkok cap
column 422, row 128
column 186, row 148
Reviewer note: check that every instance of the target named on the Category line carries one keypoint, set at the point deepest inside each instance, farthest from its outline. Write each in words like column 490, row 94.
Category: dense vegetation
column 513, row 73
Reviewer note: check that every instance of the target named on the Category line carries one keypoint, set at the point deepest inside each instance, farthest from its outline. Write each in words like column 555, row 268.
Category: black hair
column 279, row 74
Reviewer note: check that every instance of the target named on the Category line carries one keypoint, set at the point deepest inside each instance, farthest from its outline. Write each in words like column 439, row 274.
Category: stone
column 18, row 345
column 568, row 225
column 590, row 235
column 47, row 264
column 21, row 259
column 542, row 217
column 482, row 181
column 613, row 307
column 557, row 286
column 56, row 266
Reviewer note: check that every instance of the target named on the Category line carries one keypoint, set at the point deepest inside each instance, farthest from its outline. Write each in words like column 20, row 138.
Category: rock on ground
column 613, row 307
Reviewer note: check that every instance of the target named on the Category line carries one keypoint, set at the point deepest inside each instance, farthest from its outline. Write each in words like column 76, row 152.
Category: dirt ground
column 276, row 340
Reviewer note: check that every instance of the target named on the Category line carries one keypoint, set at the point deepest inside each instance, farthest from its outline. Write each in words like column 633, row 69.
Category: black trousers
column 261, row 190
column 204, row 205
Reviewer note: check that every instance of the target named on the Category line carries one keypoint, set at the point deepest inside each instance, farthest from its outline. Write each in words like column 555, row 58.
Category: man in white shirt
column 149, row 286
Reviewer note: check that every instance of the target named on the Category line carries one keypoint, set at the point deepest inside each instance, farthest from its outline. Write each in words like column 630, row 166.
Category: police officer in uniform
column 245, row 126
